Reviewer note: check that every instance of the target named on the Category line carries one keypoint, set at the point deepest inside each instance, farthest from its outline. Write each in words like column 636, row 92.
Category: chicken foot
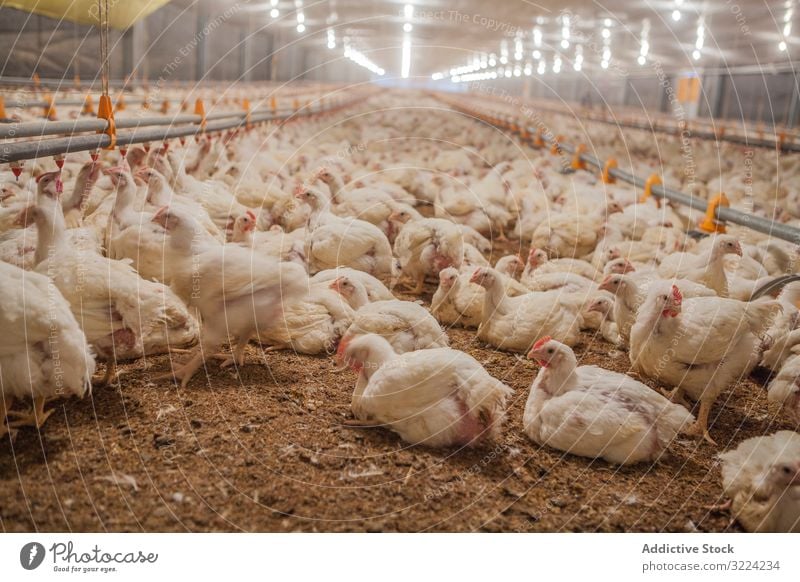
column 35, row 417
column 676, row 396
column 700, row 427
column 236, row 357
column 186, row 371
column 358, row 423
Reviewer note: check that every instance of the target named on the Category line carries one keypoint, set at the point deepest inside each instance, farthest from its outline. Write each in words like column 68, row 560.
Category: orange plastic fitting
column 105, row 110
column 577, row 162
column 653, row 180
column 709, row 223
column 606, row 176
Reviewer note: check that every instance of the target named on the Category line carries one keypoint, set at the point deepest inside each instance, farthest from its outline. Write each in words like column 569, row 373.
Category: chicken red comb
column 251, row 214
column 540, row 342
column 677, row 295
column 298, row 189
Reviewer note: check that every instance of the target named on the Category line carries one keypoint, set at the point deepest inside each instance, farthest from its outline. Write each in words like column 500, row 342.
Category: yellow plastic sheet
column 121, row 13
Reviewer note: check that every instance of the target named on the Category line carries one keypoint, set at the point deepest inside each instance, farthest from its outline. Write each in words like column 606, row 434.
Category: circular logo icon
column 31, row 555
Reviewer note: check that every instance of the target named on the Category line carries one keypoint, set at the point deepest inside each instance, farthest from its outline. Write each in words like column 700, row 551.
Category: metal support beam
column 794, row 105
column 245, row 62
column 201, row 50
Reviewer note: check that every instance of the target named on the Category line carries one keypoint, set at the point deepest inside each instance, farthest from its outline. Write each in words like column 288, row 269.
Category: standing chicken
column 439, row 397
column 761, row 477
column 596, row 413
column 237, row 293
column 707, row 268
column 701, row 346
column 43, row 352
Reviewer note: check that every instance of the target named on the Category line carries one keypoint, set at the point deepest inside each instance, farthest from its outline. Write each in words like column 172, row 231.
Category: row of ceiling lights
column 484, row 61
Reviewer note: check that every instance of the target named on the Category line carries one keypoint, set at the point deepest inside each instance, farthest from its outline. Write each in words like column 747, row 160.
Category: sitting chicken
column 707, row 268
column 783, row 393
column 425, row 247
column 567, row 234
column 514, row 323
column 597, row 413
column 457, row 301
column 332, row 241
column 539, row 262
column 237, row 293
column 701, row 346
column 406, row 325
column 785, row 331
column 761, row 477
column 438, row 397
column 44, row 353
column 374, row 289
column 275, row 243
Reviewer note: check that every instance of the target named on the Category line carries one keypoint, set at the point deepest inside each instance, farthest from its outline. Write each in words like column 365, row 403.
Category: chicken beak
column 336, row 285
column 628, row 267
column 605, row 284
column 738, row 249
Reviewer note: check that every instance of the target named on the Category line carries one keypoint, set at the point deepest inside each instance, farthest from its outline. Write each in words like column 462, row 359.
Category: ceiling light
column 782, row 46
column 406, row 57
column 408, row 11
column 604, row 64
column 696, row 55
column 565, row 44
column 274, row 13
column 676, row 15
column 407, row 27
column 301, row 28
column 537, row 54
column 641, row 60
column 607, row 22
column 606, row 33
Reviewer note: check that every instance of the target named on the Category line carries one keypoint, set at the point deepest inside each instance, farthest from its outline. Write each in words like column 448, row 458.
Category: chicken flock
column 300, row 238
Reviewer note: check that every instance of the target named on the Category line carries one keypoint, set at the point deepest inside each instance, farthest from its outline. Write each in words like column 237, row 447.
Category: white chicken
column 332, row 241
column 438, row 397
column 425, row 247
column 122, row 315
column 701, row 346
column 237, row 293
column 514, row 323
column 597, row 413
column 761, row 477
column 707, row 268
column 44, row 352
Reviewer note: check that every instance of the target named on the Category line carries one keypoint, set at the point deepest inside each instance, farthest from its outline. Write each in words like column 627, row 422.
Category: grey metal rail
column 723, row 213
column 44, row 127
column 26, row 150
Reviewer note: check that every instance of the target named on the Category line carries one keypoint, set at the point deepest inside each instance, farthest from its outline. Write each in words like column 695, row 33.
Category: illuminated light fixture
column 676, row 15
column 641, row 60
column 607, row 22
column 492, row 60
column 528, row 70
column 274, row 13
column 301, row 28
column 782, row 46
column 701, row 34
column 408, row 11
column 606, row 33
column 542, row 67
column 360, row 59
column 406, row 64
column 645, row 42
column 537, row 37
column 508, row 72
column 578, row 63
column 557, row 65
column 696, row 55
column 437, row 76
column 787, row 29
column 408, row 27
column 301, row 18
column 604, row 64
column 564, row 43
column 518, row 47
column 565, row 31
column 504, row 52
column 537, row 54
column 331, row 39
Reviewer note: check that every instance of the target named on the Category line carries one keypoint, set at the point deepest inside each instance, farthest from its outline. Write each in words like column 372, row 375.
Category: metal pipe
column 26, row 150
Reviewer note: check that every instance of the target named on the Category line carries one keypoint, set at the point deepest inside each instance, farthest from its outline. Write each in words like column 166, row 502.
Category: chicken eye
column 550, row 350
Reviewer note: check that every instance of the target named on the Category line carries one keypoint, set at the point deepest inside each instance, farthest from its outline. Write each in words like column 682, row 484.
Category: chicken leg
column 237, row 357
column 108, row 377
column 6, row 402
column 35, row 417
column 700, row 427
column 676, row 396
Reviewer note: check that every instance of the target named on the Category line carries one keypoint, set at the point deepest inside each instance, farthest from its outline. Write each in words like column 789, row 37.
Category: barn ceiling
column 445, row 34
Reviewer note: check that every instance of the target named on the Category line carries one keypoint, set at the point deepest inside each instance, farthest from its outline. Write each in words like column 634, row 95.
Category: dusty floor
column 264, row 450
